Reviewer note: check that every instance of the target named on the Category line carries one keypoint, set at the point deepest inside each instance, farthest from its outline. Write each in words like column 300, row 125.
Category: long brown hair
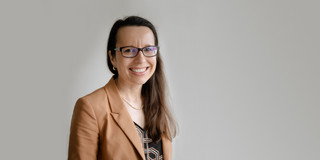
column 158, row 118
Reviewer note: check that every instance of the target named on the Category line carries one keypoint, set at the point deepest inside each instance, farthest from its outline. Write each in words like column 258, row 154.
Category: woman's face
column 136, row 70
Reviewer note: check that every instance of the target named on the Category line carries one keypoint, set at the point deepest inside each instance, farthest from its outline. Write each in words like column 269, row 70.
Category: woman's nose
column 140, row 56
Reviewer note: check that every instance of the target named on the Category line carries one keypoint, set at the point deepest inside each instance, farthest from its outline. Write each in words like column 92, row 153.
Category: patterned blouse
column 152, row 150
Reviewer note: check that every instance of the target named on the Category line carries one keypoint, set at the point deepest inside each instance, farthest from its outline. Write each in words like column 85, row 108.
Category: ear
column 112, row 59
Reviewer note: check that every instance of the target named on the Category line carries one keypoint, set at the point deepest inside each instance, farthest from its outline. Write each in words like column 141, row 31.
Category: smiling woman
column 134, row 68
column 128, row 118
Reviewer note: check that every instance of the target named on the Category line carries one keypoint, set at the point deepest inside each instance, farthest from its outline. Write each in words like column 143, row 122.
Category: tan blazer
column 102, row 128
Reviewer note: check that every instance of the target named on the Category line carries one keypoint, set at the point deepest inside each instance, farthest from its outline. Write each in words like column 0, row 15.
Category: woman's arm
column 84, row 132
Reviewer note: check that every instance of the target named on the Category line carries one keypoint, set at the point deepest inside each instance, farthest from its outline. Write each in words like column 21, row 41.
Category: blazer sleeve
column 84, row 132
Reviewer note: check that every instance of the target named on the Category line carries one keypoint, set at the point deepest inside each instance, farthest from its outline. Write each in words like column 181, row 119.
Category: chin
column 142, row 81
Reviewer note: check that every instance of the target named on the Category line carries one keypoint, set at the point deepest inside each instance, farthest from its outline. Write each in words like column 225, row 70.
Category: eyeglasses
column 131, row 52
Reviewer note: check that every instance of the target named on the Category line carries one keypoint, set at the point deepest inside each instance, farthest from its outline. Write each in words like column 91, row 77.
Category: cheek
column 154, row 61
column 154, row 64
column 121, row 63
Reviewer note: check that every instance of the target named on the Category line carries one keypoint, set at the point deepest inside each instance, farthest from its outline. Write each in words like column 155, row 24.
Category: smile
column 138, row 70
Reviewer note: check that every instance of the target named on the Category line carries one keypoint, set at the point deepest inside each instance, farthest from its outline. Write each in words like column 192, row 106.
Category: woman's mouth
column 139, row 70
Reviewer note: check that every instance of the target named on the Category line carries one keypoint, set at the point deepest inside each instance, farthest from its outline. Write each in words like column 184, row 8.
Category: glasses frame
column 139, row 49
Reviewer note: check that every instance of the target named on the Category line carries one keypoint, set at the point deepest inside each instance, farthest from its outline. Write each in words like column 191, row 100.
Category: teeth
column 139, row 70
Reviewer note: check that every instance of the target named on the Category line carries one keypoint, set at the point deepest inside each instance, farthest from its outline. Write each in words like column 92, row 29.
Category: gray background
column 243, row 75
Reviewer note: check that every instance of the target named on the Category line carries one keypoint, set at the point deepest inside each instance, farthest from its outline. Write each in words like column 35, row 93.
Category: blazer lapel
column 122, row 117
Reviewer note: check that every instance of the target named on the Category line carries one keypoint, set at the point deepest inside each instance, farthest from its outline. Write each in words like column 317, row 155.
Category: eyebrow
column 138, row 47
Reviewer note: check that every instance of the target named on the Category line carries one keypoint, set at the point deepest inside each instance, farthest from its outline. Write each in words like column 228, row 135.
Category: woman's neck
column 130, row 92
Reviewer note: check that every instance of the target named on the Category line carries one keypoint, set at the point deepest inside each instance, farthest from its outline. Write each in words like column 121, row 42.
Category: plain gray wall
column 243, row 75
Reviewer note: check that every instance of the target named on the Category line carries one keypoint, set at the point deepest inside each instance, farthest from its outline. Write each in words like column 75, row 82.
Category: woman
column 128, row 118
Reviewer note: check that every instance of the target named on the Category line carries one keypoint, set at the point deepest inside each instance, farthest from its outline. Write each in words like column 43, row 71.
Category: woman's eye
column 149, row 49
column 128, row 50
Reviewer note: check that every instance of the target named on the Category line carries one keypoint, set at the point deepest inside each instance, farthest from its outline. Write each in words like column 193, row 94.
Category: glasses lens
column 150, row 51
column 129, row 51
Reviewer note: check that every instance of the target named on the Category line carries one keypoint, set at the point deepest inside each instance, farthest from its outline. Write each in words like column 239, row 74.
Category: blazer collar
column 121, row 115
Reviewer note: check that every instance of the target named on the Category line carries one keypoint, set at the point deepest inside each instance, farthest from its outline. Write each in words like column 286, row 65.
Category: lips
column 139, row 70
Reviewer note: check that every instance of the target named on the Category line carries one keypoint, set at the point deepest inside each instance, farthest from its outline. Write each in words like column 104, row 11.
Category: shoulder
column 96, row 100
column 99, row 99
column 97, row 95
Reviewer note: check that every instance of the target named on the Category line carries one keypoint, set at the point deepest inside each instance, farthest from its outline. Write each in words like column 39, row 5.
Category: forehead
column 138, row 36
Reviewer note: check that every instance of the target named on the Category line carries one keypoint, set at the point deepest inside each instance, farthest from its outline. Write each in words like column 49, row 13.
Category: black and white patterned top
column 152, row 150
